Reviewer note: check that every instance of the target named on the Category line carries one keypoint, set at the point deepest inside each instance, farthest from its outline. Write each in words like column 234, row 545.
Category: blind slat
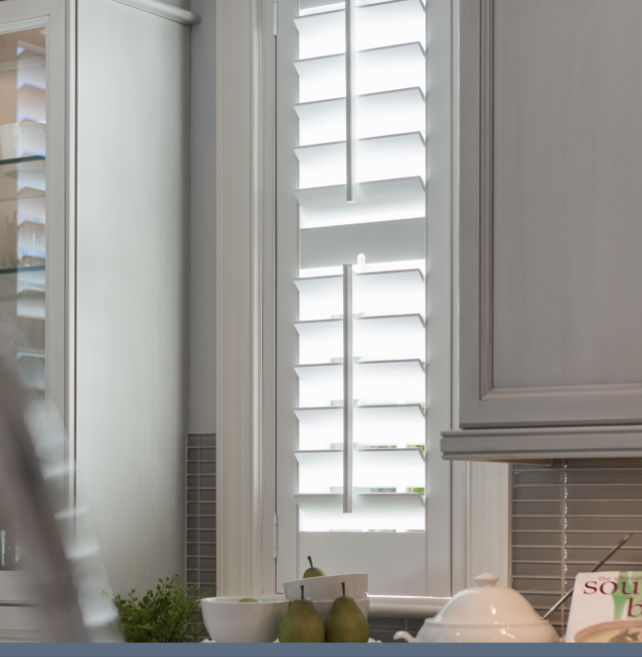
column 378, row 158
column 319, row 297
column 374, row 381
column 376, row 201
column 400, row 469
column 384, row 113
column 375, row 511
column 381, row 69
column 320, row 428
column 384, row 24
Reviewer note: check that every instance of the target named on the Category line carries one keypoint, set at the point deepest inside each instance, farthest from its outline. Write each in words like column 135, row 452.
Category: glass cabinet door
column 23, row 253
column 22, row 205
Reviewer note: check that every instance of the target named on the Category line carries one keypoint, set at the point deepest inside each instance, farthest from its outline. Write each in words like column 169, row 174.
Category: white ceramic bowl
column 19, row 139
column 324, row 606
column 229, row 621
column 328, row 587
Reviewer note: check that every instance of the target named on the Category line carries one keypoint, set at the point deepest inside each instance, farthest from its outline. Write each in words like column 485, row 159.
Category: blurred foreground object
column 69, row 583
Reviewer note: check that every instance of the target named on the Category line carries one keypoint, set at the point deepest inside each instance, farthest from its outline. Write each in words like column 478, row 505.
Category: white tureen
column 486, row 613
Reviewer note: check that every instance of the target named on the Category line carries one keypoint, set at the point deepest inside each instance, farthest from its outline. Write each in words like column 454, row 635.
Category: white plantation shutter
column 377, row 458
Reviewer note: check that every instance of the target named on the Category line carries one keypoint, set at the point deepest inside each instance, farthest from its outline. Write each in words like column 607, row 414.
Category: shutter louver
column 387, row 225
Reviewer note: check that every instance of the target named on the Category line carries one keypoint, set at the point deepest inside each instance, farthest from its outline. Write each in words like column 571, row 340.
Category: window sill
column 405, row 605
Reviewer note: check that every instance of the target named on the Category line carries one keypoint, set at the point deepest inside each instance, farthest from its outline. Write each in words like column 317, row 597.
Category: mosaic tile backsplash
column 201, row 511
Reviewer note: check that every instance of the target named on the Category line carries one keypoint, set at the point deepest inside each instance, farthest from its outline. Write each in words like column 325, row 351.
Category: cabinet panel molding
column 507, row 379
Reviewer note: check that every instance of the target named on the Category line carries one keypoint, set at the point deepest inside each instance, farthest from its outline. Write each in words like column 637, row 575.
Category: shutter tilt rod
column 351, row 142
column 348, row 402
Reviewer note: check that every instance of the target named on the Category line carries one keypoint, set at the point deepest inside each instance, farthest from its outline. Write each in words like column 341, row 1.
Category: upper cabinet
column 94, row 189
column 550, row 231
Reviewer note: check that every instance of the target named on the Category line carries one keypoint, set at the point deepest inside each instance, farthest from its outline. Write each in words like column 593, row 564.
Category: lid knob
column 486, row 579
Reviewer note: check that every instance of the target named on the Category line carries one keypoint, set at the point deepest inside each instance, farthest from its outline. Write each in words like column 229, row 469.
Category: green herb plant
column 162, row 615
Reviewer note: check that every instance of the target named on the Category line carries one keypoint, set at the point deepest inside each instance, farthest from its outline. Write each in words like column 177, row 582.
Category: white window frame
column 475, row 506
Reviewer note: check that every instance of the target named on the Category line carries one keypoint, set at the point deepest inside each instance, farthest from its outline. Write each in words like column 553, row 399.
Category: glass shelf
column 25, row 268
column 23, row 284
column 30, row 202
column 21, row 160
column 28, row 170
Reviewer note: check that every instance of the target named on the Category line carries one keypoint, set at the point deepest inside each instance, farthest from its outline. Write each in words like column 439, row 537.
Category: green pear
column 345, row 622
column 302, row 623
column 248, row 600
column 312, row 571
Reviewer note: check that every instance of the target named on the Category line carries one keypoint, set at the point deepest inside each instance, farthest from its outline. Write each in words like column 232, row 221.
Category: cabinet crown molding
column 165, row 10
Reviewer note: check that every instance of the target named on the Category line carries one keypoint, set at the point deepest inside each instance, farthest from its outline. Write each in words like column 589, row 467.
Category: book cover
column 606, row 607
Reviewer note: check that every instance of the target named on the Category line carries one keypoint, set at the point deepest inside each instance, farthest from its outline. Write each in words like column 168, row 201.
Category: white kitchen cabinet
column 550, row 308
column 115, row 184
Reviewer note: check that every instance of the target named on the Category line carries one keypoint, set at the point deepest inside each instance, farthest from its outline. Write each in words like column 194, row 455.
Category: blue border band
column 300, row 649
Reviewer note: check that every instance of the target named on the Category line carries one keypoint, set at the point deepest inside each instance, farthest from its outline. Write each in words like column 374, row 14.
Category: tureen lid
column 487, row 604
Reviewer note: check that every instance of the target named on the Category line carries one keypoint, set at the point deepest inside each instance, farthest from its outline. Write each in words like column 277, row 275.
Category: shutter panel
column 387, row 224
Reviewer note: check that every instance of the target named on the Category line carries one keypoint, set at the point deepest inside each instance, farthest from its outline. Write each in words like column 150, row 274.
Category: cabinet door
column 550, row 233
column 32, row 194
column 32, row 252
